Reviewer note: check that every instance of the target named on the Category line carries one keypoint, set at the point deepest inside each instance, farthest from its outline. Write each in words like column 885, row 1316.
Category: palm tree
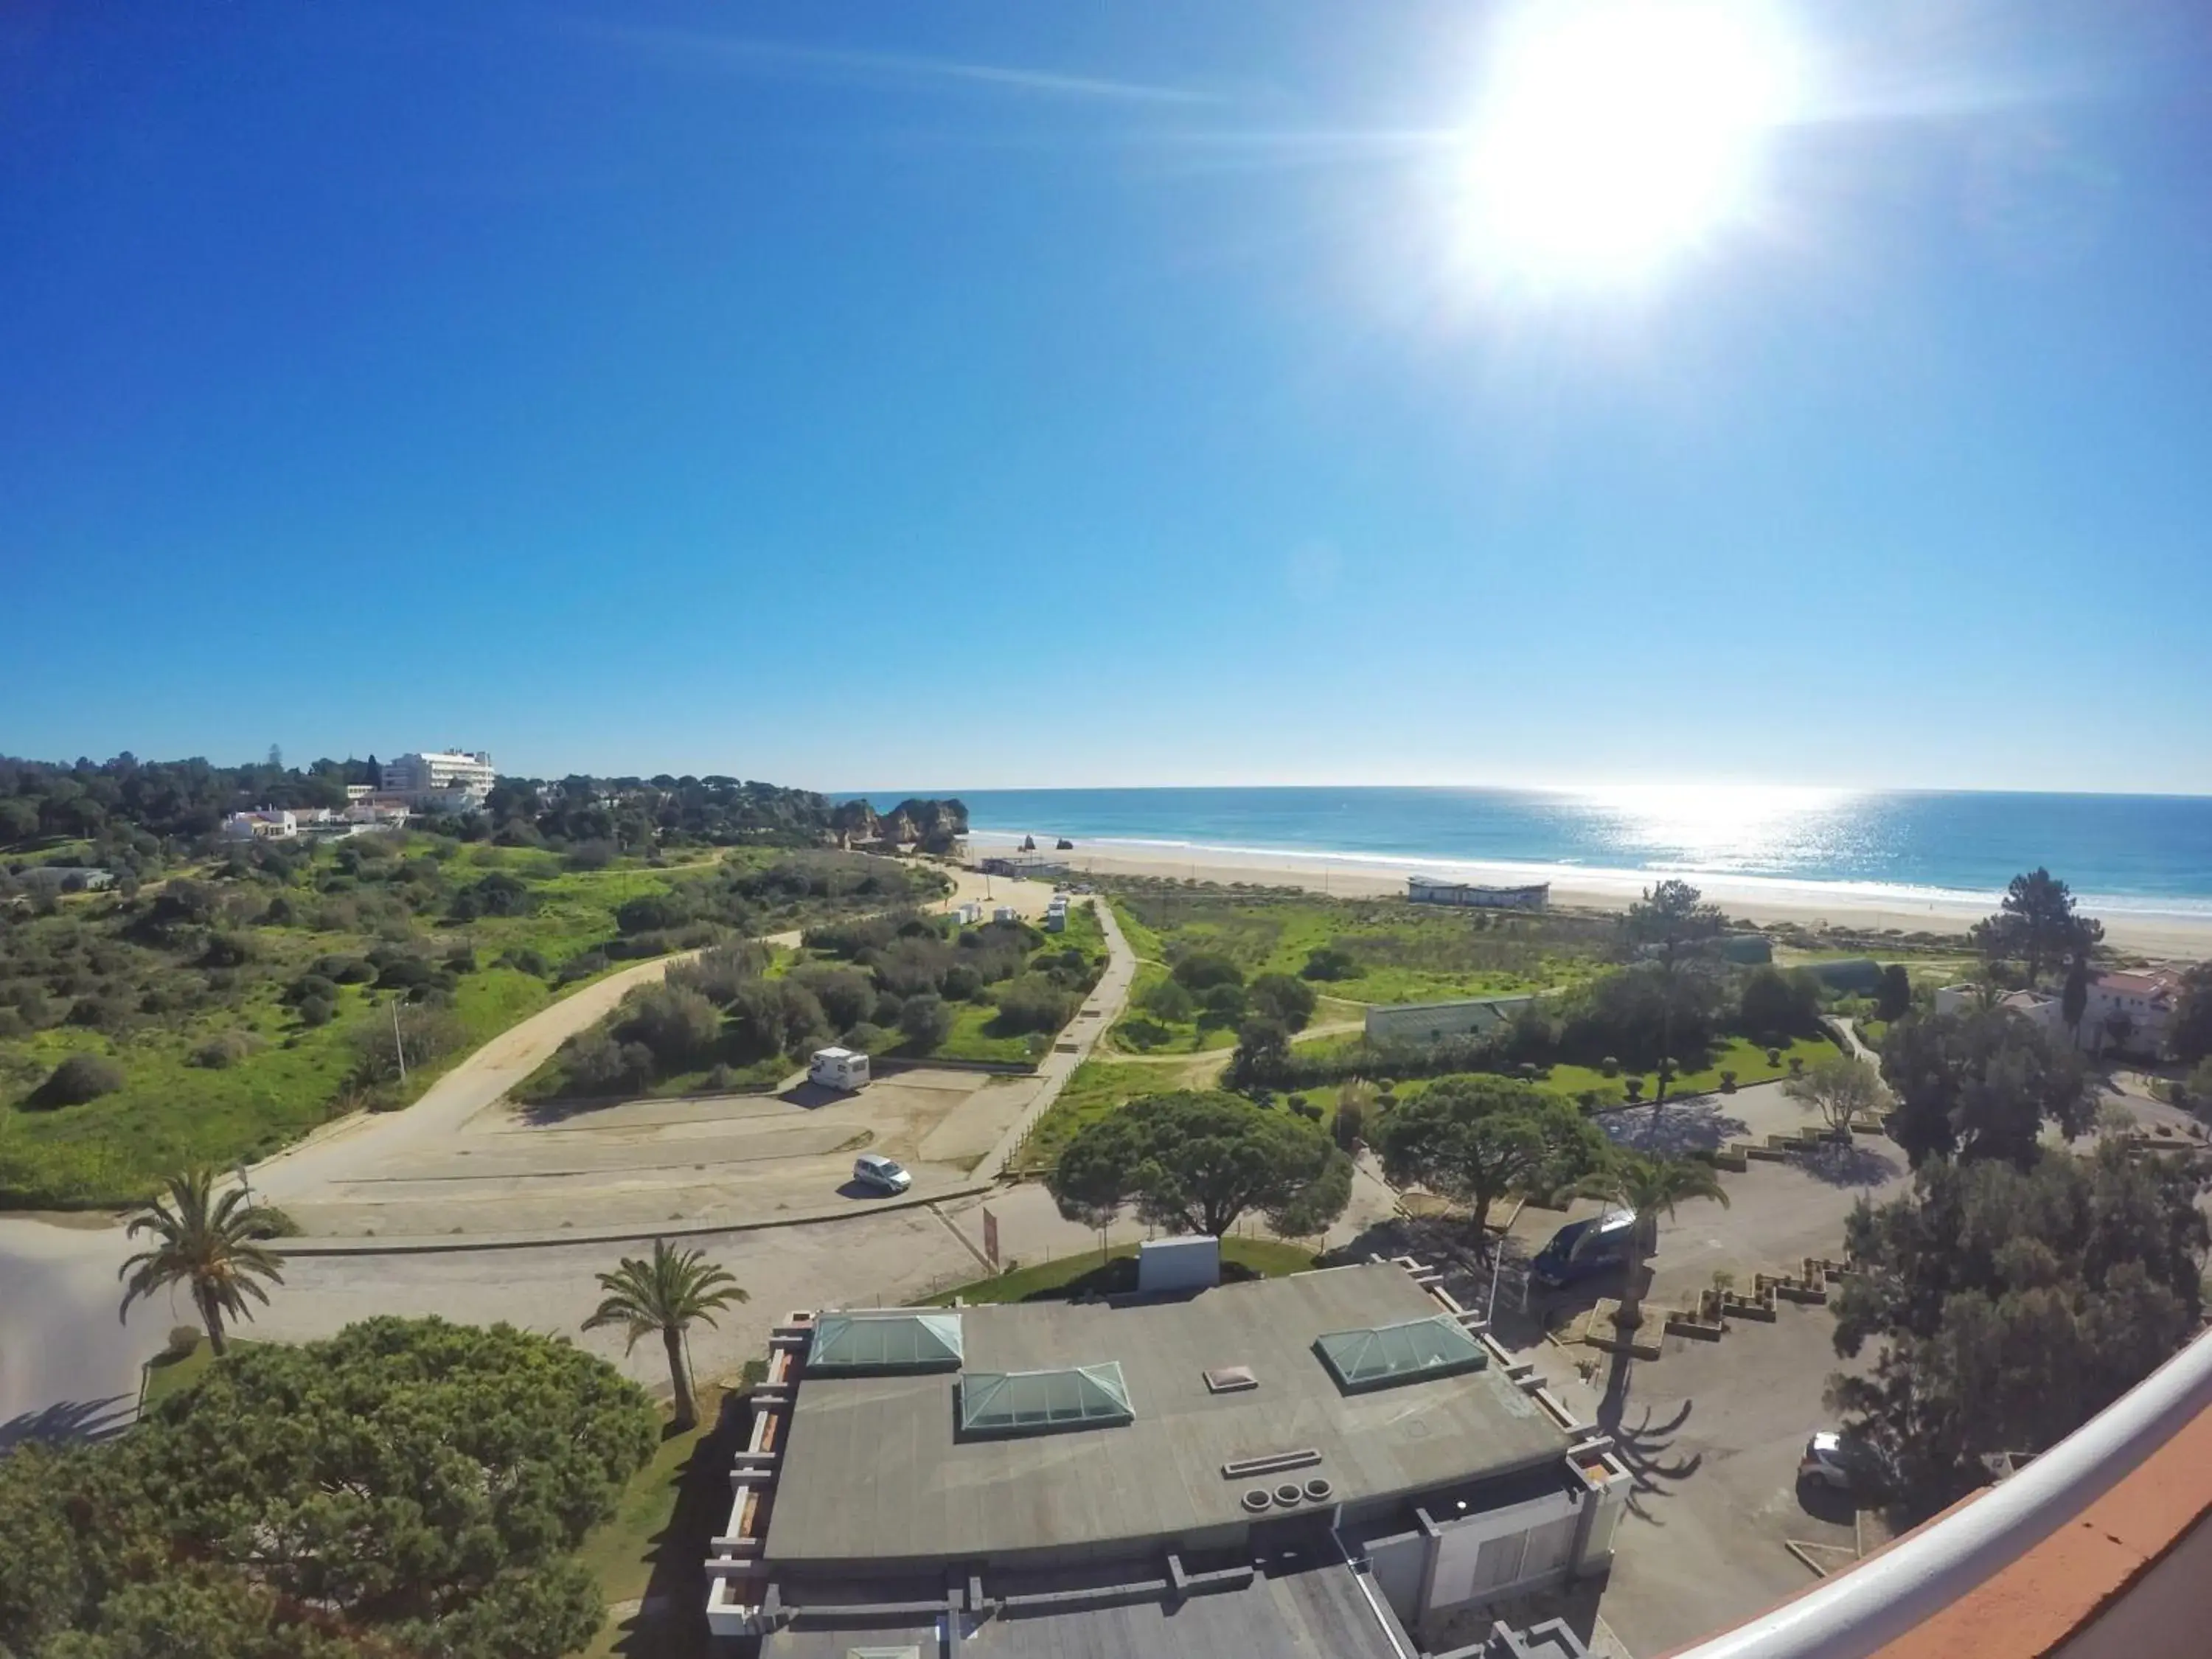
column 1650, row 1187
column 210, row 1244
column 666, row 1294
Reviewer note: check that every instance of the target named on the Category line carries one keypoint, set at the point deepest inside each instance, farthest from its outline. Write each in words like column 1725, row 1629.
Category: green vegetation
column 1746, row 1059
column 1650, row 1187
column 1372, row 950
column 2007, row 1307
column 1197, row 1162
column 218, row 1013
column 213, row 1246
column 1477, row 1139
column 892, row 981
column 1098, row 1087
column 451, row 1530
column 1257, row 1258
column 665, row 1295
column 1981, row 1084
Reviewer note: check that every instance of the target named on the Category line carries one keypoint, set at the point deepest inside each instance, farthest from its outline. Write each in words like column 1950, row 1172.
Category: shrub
column 598, row 1065
column 1774, row 1056
column 1201, row 970
column 344, row 970
column 1034, row 1003
column 317, row 1010
column 227, row 950
column 1281, row 998
column 1171, row 1001
column 1142, row 1033
column 1330, row 962
column 225, row 1048
column 184, row 1341
column 310, row 988
column 1796, row 1064
column 525, row 961
column 1728, row 1082
column 680, row 1027
column 650, row 913
column 1225, row 1004
column 924, row 1021
column 1635, row 1088
column 1610, row 1065
column 1350, row 1119
column 1590, row 1100
column 79, row 1077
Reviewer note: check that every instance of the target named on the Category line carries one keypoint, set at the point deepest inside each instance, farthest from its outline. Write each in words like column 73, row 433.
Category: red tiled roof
column 2034, row 1605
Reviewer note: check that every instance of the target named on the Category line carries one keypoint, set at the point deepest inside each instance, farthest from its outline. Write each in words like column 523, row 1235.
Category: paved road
column 68, row 1366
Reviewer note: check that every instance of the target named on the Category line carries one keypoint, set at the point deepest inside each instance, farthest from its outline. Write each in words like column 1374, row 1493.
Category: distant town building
column 1425, row 890
column 2127, row 1012
column 65, row 877
column 267, row 824
column 1031, row 866
column 435, row 772
column 1433, row 1022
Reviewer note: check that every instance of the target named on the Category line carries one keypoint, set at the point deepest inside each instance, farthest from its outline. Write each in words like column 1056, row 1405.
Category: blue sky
column 974, row 395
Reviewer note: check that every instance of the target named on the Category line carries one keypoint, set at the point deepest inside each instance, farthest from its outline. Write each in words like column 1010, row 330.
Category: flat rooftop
column 875, row 1470
column 1317, row 1611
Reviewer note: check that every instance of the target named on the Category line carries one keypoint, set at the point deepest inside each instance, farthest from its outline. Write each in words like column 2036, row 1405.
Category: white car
column 885, row 1174
column 1835, row 1462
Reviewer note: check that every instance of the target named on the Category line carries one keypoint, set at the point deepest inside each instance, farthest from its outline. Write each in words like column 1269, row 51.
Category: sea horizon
column 2133, row 855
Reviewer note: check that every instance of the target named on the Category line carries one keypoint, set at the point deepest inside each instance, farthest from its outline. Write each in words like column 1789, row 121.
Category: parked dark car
column 1582, row 1249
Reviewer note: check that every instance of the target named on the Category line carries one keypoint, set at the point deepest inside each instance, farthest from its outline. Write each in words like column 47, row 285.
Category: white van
column 884, row 1174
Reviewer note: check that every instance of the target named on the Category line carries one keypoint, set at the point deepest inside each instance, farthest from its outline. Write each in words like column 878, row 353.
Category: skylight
column 1384, row 1356
column 1041, row 1402
column 854, row 1344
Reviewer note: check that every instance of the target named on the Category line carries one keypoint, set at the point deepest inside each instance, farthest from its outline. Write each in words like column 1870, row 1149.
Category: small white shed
column 1006, row 913
column 838, row 1068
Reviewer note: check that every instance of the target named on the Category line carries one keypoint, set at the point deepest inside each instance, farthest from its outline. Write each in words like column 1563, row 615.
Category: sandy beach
column 1841, row 904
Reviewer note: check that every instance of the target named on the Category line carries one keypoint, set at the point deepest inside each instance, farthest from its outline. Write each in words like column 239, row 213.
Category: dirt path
column 301, row 1172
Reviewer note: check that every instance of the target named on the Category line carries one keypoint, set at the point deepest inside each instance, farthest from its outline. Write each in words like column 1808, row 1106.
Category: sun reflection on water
column 1742, row 827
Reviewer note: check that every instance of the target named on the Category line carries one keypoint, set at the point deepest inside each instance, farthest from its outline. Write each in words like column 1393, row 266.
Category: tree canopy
column 1195, row 1163
column 1981, row 1084
column 2009, row 1306
column 407, row 1485
column 1478, row 1138
column 2188, row 1033
column 1841, row 1089
column 2036, row 925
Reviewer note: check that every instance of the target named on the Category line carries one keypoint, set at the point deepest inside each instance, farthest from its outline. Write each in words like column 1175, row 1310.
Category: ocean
column 2146, row 853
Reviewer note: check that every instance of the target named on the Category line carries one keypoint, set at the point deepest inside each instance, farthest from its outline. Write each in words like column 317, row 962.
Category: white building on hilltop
column 435, row 771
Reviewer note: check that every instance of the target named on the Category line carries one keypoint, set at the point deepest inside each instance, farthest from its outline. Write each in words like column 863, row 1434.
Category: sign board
column 990, row 1238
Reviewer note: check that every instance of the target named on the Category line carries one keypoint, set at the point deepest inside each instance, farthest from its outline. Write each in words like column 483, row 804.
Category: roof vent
column 1256, row 1500
column 1230, row 1379
column 1318, row 1491
column 1290, row 1494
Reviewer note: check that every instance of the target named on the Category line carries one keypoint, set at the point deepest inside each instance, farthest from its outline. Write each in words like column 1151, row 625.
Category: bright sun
column 1614, row 136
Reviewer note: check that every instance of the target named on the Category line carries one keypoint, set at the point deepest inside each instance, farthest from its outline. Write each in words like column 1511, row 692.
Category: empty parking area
column 737, row 1157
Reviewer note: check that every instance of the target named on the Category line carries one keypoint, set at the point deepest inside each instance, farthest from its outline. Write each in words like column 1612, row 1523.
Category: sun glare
column 1614, row 136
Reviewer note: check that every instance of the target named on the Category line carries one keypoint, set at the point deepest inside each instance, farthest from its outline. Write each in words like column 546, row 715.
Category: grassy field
column 286, row 1074
column 1263, row 1256
column 1399, row 952
column 1097, row 1087
column 1739, row 1055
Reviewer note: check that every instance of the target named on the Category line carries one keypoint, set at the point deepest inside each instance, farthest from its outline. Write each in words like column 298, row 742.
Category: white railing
column 1857, row 1612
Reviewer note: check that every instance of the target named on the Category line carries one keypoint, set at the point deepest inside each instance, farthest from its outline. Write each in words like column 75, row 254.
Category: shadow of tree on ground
column 1644, row 1448
column 672, row 1621
column 69, row 1421
column 1697, row 1124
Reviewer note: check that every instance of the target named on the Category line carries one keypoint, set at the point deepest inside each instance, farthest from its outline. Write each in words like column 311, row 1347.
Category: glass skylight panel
column 1384, row 1355
column 1040, row 1402
column 857, row 1343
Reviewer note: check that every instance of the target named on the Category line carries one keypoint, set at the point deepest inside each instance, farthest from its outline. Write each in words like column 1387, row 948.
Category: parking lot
column 735, row 1157
column 1713, row 1431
